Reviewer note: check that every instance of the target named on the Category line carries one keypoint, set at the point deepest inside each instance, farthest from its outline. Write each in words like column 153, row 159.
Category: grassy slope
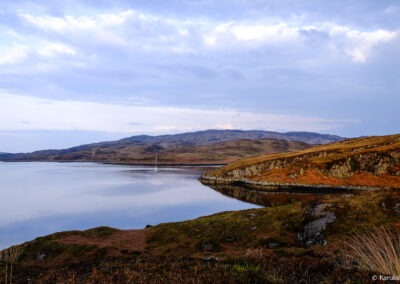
column 364, row 158
column 217, row 153
column 225, row 247
column 229, row 247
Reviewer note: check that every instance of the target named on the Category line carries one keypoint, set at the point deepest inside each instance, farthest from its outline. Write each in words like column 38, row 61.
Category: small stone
column 309, row 243
column 209, row 259
column 273, row 245
column 299, row 237
column 251, row 215
column 253, row 228
column 207, row 247
column 40, row 256
column 230, row 239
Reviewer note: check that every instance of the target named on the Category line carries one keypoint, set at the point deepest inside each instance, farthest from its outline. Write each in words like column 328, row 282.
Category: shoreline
column 122, row 163
column 281, row 187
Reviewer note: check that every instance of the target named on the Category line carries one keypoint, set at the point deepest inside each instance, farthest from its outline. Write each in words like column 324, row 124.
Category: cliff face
column 373, row 161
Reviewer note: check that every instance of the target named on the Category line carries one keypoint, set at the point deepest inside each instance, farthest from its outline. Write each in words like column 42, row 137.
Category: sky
column 75, row 72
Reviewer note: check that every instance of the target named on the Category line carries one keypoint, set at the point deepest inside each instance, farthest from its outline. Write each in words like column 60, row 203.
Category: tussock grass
column 378, row 250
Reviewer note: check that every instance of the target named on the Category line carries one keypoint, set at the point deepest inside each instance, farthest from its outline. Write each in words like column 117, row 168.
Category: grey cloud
column 310, row 75
column 233, row 73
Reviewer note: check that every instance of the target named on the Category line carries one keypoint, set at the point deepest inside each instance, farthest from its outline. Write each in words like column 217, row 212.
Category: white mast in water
column 155, row 163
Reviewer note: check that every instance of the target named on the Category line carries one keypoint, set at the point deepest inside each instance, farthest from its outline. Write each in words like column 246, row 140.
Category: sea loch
column 42, row 198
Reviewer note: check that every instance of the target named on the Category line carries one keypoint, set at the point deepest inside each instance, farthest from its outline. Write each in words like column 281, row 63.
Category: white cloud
column 19, row 48
column 14, row 55
column 136, row 30
column 224, row 126
column 29, row 113
column 105, row 28
column 73, row 23
column 358, row 45
column 51, row 49
column 256, row 34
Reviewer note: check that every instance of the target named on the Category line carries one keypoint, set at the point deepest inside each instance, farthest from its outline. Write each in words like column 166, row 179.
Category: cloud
column 52, row 49
column 102, row 28
column 17, row 48
column 74, row 23
column 45, row 114
column 148, row 32
column 290, row 65
column 358, row 44
column 251, row 34
column 14, row 55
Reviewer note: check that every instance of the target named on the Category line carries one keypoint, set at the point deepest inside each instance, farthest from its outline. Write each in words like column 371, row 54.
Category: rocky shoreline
column 281, row 187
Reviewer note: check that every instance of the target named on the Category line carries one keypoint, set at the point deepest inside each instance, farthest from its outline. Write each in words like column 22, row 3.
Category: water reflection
column 41, row 198
column 280, row 196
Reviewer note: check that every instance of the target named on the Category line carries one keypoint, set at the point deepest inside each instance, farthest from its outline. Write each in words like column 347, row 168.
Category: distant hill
column 365, row 162
column 212, row 136
column 202, row 147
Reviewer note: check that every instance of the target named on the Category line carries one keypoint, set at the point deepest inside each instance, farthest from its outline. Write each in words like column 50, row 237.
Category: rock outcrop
column 372, row 162
column 312, row 232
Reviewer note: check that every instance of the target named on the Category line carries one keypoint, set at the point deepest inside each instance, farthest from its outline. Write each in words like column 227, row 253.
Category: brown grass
column 131, row 240
column 343, row 148
column 378, row 250
column 311, row 166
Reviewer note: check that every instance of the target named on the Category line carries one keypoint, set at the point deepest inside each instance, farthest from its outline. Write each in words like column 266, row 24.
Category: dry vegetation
column 371, row 161
column 168, row 153
column 377, row 249
column 265, row 245
column 250, row 246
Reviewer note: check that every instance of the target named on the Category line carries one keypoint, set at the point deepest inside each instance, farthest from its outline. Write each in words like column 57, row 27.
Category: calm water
column 42, row 198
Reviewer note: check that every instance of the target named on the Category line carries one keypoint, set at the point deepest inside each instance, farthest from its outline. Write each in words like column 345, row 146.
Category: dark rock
column 397, row 209
column 209, row 259
column 300, row 237
column 207, row 247
column 251, row 215
column 230, row 239
column 319, row 239
column 311, row 234
column 309, row 243
column 273, row 245
column 40, row 256
column 314, row 228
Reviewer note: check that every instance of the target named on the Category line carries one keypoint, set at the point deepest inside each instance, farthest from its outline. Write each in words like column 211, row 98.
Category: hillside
column 295, row 238
column 365, row 162
column 265, row 245
column 203, row 147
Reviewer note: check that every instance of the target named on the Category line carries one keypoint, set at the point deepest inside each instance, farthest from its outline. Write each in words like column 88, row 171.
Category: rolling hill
column 361, row 162
column 295, row 238
column 203, row 147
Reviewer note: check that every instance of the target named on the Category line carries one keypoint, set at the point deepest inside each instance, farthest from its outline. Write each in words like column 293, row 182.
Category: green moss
column 238, row 229
column 354, row 164
column 42, row 245
column 99, row 232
